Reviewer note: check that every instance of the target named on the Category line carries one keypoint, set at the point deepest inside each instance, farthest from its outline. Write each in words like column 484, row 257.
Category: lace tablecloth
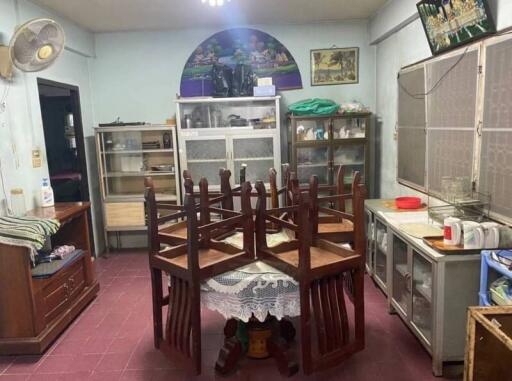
column 257, row 289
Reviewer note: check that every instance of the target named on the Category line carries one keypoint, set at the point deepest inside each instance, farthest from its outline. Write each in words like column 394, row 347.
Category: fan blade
column 48, row 33
column 24, row 47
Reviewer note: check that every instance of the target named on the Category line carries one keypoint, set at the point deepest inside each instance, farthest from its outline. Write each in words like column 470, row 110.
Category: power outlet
column 36, row 158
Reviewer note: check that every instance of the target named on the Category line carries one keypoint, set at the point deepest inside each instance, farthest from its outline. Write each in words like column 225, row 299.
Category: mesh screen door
column 411, row 127
column 496, row 152
column 451, row 108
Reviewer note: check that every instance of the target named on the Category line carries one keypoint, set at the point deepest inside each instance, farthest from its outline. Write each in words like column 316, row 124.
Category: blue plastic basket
column 489, row 263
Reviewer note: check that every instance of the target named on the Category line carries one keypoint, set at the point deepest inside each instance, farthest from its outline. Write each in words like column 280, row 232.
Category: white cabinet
column 429, row 291
column 216, row 133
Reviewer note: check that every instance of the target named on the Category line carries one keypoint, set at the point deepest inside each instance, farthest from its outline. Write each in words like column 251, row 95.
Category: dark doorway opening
column 64, row 140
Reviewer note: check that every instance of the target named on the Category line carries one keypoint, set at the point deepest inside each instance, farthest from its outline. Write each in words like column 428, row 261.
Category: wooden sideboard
column 34, row 312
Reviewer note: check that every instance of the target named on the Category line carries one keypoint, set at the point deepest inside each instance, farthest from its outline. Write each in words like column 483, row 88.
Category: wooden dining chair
column 319, row 266
column 190, row 263
column 175, row 231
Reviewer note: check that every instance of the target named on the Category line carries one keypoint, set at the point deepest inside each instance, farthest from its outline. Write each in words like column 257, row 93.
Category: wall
column 400, row 40
column 136, row 75
column 21, row 128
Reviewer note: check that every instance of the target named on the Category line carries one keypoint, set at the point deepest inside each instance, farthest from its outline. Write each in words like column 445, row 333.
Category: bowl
column 408, row 202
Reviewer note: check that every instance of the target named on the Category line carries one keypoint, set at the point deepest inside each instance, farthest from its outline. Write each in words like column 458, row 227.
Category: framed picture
column 334, row 66
column 451, row 23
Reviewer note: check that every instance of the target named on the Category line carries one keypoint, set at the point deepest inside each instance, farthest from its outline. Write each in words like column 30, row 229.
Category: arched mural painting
column 266, row 55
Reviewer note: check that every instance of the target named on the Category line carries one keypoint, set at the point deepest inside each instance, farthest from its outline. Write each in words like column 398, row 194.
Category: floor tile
column 113, row 340
column 24, row 365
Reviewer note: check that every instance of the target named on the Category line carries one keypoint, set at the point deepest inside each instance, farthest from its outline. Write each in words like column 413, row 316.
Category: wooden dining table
column 256, row 301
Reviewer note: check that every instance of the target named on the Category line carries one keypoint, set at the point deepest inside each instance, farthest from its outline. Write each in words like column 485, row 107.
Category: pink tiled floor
column 112, row 340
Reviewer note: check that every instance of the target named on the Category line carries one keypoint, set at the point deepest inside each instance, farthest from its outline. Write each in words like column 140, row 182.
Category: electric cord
column 437, row 84
column 3, row 100
column 7, row 203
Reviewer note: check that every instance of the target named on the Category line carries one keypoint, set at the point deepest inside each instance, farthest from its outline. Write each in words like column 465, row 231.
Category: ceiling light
column 215, row 3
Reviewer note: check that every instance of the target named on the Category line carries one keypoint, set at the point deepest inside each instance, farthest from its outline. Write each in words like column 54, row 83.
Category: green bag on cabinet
column 315, row 106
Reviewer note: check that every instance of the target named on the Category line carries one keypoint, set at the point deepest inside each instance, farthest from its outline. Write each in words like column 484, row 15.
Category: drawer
column 124, row 214
column 62, row 289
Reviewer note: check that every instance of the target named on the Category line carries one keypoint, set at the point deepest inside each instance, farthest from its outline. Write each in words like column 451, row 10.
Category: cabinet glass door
column 128, row 156
column 257, row 114
column 422, row 295
column 349, row 128
column 257, row 154
column 313, row 161
column 308, row 130
column 381, row 250
column 401, row 276
column 370, row 240
column 205, row 157
column 352, row 157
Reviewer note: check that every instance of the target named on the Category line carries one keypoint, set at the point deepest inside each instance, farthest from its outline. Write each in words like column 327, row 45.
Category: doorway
column 64, row 140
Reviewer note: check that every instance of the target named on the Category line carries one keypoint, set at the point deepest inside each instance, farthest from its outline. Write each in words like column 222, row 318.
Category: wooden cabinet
column 34, row 312
column 320, row 144
column 489, row 344
column 429, row 291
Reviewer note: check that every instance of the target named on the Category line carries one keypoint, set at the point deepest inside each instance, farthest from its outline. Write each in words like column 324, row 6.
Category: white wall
column 21, row 128
column 401, row 41
column 136, row 75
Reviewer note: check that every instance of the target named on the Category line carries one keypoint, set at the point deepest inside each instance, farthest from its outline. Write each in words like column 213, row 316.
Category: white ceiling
column 124, row 15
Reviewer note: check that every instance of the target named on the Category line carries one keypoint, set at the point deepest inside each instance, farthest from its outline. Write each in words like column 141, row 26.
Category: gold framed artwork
column 334, row 66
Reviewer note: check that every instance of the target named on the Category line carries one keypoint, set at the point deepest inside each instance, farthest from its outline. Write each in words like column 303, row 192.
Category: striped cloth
column 30, row 232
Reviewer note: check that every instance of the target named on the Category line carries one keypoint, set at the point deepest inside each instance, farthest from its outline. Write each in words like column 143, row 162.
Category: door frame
column 79, row 129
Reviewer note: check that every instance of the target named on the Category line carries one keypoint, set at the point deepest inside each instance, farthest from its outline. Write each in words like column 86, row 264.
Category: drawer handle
column 71, row 283
column 66, row 290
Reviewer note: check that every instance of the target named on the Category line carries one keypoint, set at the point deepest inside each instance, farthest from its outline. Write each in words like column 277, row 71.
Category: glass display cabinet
column 216, row 133
column 127, row 154
column 319, row 145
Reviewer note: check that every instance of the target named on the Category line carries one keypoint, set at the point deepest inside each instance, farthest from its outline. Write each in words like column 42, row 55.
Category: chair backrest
column 177, row 212
column 276, row 193
column 358, row 195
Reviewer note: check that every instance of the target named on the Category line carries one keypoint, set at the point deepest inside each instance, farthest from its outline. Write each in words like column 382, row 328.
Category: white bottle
column 46, row 194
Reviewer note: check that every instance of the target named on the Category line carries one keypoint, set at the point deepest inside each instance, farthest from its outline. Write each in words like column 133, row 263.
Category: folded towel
column 30, row 232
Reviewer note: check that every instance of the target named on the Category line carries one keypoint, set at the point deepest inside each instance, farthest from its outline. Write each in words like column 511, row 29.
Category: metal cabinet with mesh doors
column 227, row 133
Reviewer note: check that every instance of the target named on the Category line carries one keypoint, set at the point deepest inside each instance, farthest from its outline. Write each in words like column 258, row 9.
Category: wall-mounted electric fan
column 34, row 46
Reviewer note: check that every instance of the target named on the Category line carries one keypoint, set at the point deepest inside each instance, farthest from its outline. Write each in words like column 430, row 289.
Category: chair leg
column 196, row 326
column 358, row 279
column 157, row 294
column 305, row 328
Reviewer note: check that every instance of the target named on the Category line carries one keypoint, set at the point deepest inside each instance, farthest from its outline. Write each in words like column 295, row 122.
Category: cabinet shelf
column 192, row 161
column 138, row 174
column 253, row 158
column 401, row 269
column 423, row 292
column 134, row 151
column 139, row 197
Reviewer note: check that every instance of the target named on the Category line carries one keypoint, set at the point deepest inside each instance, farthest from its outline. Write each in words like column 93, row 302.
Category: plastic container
column 408, row 202
column 47, row 194
column 18, row 205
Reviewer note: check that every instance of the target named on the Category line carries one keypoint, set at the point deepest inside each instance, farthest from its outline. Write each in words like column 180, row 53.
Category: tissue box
column 265, row 81
column 264, row 91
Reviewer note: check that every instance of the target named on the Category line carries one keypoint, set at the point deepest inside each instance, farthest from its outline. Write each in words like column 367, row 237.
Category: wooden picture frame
column 334, row 66
column 451, row 23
